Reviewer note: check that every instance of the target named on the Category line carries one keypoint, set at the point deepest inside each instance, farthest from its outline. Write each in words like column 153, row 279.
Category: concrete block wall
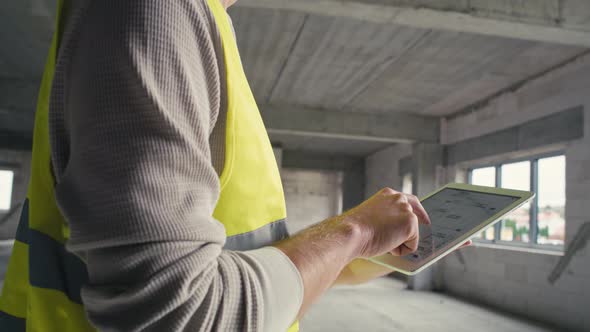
column 20, row 163
column 515, row 280
column 311, row 196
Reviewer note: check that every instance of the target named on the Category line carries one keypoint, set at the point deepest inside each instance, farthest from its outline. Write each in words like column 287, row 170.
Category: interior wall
column 20, row 163
column 311, row 196
column 517, row 281
column 352, row 168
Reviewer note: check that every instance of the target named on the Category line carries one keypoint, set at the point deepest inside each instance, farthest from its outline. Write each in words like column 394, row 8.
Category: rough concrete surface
column 386, row 305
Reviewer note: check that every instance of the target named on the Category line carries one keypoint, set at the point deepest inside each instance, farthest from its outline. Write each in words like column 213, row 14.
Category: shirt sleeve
column 141, row 99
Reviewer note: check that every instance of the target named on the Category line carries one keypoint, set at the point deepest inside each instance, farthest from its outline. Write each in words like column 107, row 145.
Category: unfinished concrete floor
column 386, row 305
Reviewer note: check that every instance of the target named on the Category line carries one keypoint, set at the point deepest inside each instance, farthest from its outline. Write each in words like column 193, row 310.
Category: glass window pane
column 484, row 176
column 489, row 234
column 551, row 213
column 6, row 178
column 515, row 227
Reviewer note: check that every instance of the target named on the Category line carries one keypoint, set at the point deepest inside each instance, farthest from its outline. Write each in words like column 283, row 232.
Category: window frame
column 533, row 213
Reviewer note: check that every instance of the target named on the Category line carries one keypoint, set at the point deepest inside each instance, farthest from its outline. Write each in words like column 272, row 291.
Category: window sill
column 557, row 251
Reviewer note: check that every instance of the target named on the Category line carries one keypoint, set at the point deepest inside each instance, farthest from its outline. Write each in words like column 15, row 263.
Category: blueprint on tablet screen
column 454, row 212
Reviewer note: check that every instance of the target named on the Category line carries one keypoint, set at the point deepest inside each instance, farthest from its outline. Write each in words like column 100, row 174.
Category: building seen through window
column 516, row 227
column 485, row 177
column 541, row 221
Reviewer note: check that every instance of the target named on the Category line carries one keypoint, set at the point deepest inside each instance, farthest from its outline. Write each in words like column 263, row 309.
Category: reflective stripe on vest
column 43, row 282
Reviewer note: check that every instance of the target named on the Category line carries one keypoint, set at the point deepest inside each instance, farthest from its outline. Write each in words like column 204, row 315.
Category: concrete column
column 427, row 158
column 382, row 168
column 353, row 186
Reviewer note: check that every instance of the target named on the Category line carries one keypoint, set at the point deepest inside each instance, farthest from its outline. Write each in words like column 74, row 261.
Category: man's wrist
column 338, row 237
column 321, row 252
column 354, row 234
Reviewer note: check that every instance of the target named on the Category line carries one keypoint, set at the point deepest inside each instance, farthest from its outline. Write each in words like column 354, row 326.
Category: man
column 151, row 165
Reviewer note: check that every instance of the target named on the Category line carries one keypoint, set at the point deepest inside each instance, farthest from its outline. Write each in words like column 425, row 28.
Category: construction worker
column 155, row 201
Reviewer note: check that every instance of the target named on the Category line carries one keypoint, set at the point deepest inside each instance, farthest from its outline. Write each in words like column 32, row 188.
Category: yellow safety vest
column 42, row 285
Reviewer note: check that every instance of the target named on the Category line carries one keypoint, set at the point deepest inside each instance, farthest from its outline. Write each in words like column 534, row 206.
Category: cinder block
column 577, row 189
column 571, row 283
column 579, row 301
column 453, row 261
column 507, row 256
column 578, row 151
column 492, row 284
column 516, row 304
column 557, row 313
column 483, row 254
column 579, row 265
column 488, row 295
column 549, row 261
column 471, row 254
column 489, row 267
column 537, row 277
column 495, row 298
column 457, row 278
column 578, row 170
column 578, row 208
column 515, row 272
column 457, row 288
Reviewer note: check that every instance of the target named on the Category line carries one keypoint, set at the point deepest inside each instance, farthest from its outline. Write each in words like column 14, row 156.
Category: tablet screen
column 453, row 213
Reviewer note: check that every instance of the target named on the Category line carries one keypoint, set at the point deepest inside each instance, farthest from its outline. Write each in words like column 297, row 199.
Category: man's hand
column 360, row 271
column 391, row 218
column 388, row 222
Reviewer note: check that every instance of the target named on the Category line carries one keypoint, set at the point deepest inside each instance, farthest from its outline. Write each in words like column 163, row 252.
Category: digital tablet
column 457, row 212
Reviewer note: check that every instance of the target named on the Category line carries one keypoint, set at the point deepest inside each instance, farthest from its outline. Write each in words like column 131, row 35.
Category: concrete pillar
column 427, row 158
column 353, row 186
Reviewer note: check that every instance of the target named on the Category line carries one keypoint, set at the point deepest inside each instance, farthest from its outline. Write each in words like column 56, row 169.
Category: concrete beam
column 553, row 129
column 306, row 160
column 553, row 21
column 394, row 128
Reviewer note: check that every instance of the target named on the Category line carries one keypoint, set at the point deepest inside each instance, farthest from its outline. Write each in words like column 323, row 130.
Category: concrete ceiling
column 327, row 146
column 26, row 27
column 387, row 58
column 349, row 64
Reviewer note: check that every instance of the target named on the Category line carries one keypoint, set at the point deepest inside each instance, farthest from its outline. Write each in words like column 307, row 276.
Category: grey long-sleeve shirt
column 137, row 120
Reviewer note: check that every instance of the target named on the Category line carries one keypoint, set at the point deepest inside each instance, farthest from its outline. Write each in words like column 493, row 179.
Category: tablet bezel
column 411, row 268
